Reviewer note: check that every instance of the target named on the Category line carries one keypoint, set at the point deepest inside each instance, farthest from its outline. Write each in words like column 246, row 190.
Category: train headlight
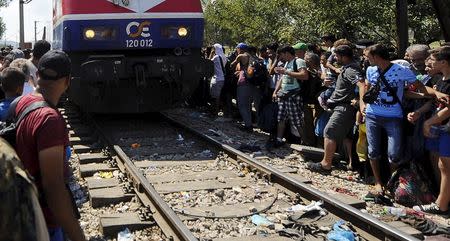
column 176, row 32
column 182, row 32
column 100, row 33
column 89, row 33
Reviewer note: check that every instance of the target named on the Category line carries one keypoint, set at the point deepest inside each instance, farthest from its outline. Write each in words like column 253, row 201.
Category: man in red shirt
column 41, row 140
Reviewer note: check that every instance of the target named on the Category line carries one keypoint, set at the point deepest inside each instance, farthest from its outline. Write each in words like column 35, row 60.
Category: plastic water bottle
column 399, row 212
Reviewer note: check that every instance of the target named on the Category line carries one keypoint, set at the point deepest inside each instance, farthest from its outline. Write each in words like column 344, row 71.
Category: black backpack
column 256, row 72
column 9, row 127
column 311, row 87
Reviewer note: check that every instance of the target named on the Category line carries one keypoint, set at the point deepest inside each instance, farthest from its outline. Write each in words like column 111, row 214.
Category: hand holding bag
column 372, row 94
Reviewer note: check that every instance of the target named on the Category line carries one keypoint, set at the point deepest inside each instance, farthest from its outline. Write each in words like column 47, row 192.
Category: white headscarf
column 219, row 52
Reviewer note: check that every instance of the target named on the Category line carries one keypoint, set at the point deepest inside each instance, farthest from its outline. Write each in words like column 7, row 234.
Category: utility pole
column 401, row 14
column 35, row 31
column 22, row 34
column 22, row 38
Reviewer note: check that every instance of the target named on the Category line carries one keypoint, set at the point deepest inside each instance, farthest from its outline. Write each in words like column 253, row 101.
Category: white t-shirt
column 218, row 70
column 33, row 72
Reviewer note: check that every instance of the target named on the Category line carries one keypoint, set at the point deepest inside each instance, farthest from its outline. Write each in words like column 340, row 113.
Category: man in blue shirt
column 386, row 111
column 12, row 80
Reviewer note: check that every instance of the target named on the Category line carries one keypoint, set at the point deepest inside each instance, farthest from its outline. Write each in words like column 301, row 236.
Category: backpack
column 8, row 128
column 409, row 187
column 310, row 88
column 21, row 215
column 256, row 72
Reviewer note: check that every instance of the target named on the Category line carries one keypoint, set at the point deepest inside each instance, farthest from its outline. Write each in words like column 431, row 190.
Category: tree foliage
column 287, row 21
column 3, row 3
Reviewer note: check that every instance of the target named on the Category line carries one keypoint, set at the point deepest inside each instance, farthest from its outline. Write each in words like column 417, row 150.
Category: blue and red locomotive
column 131, row 56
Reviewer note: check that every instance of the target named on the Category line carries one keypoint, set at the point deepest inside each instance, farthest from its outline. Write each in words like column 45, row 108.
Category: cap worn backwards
column 54, row 65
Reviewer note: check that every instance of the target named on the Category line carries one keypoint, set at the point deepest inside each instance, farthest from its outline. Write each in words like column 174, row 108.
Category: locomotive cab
column 131, row 56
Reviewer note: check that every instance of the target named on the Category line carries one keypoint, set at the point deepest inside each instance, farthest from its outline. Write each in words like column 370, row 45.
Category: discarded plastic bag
column 125, row 235
column 106, row 175
column 261, row 221
column 305, row 208
column 339, row 233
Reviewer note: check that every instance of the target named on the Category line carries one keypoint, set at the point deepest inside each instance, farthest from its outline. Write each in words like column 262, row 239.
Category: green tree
column 3, row 3
column 287, row 21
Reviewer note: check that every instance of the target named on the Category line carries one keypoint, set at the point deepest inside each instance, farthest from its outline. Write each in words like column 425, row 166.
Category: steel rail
column 143, row 185
column 361, row 220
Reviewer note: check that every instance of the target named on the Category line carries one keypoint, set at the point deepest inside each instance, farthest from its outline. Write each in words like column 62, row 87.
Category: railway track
column 192, row 186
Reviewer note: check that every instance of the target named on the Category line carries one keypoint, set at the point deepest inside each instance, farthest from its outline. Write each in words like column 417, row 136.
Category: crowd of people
column 355, row 96
column 31, row 89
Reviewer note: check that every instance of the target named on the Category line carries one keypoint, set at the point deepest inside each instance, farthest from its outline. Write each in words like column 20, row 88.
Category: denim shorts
column 374, row 128
column 440, row 144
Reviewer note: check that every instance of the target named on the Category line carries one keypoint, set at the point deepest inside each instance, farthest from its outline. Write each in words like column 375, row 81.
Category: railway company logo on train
column 138, row 6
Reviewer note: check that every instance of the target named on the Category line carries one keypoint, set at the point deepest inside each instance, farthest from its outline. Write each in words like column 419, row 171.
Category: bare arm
column 277, row 88
column 362, row 86
column 434, row 120
column 272, row 67
column 429, row 91
column 51, row 161
column 414, row 116
column 302, row 74
column 236, row 61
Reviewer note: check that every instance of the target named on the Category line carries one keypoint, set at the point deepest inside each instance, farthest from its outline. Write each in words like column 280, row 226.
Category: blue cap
column 242, row 46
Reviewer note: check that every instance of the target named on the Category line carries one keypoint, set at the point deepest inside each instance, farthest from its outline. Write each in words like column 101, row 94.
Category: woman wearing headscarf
column 219, row 59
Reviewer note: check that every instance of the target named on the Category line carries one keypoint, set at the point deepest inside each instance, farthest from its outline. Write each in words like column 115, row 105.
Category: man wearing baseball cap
column 300, row 50
column 41, row 141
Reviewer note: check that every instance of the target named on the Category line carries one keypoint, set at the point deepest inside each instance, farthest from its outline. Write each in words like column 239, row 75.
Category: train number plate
column 139, row 43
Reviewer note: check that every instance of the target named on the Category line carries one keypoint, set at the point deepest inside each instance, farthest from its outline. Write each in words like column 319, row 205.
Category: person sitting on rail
column 11, row 80
column 41, row 140
column 437, row 129
column 341, row 123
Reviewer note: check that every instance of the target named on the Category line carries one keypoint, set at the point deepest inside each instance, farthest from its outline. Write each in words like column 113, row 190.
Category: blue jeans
column 56, row 234
column 393, row 128
column 246, row 95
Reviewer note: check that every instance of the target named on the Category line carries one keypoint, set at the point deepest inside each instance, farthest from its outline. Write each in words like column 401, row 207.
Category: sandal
column 317, row 167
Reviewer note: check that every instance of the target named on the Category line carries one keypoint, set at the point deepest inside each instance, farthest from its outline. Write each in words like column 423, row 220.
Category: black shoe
column 317, row 167
column 432, row 208
column 278, row 144
column 248, row 129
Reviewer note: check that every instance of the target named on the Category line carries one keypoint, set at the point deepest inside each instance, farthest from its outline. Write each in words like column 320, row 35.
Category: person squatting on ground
column 340, row 126
column 287, row 92
column 41, row 141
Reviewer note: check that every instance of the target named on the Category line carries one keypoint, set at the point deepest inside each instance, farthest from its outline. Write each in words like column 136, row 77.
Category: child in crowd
column 11, row 80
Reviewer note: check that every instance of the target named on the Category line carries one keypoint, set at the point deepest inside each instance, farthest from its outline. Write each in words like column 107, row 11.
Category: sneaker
column 432, row 208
